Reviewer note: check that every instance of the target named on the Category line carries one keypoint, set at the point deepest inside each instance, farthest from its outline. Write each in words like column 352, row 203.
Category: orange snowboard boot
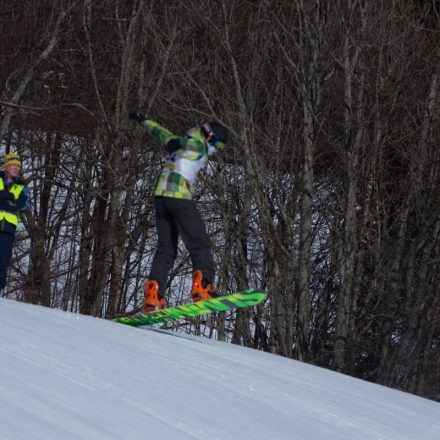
column 201, row 289
column 152, row 301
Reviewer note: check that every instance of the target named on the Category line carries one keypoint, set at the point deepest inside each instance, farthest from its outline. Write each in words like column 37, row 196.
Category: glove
column 8, row 206
column 5, row 195
column 172, row 145
column 137, row 116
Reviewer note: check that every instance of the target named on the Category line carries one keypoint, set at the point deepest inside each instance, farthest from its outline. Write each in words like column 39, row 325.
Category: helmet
column 216, row 134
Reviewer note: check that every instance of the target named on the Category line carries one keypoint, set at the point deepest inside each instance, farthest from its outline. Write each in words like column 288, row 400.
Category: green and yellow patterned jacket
column 187, row 156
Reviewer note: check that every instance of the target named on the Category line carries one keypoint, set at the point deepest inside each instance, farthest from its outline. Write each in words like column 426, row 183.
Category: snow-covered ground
column 67, row 377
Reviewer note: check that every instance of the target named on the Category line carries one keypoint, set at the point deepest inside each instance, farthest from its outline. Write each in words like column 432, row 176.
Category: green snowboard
column 247, row 298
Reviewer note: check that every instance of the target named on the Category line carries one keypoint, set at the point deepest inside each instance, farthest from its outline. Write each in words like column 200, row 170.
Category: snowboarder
column 176, row 211
column 14, row 197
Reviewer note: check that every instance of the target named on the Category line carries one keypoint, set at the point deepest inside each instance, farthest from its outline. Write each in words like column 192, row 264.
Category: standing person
column 14, row 197
column 176, row 212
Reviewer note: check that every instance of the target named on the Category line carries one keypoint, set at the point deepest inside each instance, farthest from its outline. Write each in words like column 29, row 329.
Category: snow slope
column 67, row 377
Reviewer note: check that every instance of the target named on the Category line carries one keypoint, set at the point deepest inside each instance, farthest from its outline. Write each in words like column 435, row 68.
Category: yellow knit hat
column 11, row 159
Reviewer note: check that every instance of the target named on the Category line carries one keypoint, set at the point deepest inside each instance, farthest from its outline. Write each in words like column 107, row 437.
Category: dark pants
column 176, row 217
column 6, row 242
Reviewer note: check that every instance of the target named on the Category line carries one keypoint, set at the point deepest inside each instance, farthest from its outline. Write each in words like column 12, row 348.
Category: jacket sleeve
column 159, row 133
column 172, row 142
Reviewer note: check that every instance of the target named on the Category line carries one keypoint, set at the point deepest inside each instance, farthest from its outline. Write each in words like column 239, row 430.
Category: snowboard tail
column 246, row 298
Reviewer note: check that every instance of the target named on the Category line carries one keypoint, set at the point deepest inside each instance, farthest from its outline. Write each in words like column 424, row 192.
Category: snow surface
column 65, row 376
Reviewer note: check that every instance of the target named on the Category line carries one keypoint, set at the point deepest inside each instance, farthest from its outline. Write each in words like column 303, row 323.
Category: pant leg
column 6, row 243
column 166, row 250
column 193, row 232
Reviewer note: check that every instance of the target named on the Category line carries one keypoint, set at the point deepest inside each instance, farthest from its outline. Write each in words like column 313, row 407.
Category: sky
column 64, row 376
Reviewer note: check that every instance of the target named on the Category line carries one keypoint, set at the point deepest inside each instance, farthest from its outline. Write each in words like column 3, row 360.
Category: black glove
column 8, row 206
column 137, row 116
column 172, row 145
column 6, row 195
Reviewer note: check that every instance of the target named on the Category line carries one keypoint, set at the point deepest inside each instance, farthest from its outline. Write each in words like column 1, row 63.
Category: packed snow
column 64, row 376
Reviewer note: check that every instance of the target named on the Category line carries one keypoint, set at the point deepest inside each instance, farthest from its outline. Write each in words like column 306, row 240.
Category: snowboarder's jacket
column 187, row 156
column 14, row 197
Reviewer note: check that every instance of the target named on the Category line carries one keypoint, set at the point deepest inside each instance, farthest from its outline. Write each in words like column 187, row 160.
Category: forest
column 327, row 195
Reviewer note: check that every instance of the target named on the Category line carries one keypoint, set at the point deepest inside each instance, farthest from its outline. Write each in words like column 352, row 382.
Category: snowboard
column 246, row 298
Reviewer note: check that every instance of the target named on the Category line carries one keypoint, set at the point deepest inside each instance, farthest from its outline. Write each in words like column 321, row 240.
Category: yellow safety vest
column 16, row 190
